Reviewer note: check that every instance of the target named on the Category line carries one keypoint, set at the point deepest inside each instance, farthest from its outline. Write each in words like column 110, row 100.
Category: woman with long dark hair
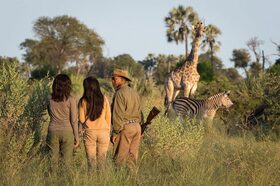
column 95, row 116
column 63, row 127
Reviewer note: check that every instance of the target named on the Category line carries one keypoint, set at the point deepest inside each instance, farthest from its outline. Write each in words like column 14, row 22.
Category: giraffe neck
column 192, row 58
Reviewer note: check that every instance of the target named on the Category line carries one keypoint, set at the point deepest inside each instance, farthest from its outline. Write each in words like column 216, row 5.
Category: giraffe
column 186, row 76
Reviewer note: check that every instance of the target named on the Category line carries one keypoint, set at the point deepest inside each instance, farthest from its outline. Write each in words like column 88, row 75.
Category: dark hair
column 93, row 97
column 61, row 88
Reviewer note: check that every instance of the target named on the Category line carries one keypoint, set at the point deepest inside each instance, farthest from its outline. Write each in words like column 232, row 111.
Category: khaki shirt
column 125, row 107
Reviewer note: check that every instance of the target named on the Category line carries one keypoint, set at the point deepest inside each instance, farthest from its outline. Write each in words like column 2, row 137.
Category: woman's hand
column 76, row 144
column 113, row 138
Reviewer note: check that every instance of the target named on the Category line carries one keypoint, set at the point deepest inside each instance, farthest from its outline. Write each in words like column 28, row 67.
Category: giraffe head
column 199, row 29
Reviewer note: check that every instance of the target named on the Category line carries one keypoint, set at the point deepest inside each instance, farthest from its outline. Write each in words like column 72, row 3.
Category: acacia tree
column 62, row 40
column 125, row 61
column 241, row 58
column 210, row 43
column 178, row 23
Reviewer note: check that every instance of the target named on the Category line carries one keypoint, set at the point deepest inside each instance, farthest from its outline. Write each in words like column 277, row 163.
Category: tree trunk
column 263, row 60
column 246, row 72
column 212, row 58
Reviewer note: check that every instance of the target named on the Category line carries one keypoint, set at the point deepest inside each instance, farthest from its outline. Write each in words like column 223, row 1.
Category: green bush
column 23, row 110
column 77, row 84
column 247, row 96
column 166, row 137
column 43, row 72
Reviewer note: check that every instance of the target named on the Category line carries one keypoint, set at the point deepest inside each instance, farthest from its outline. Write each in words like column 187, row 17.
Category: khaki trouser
column 127, row 144
column 60, row 143
column 96, row 146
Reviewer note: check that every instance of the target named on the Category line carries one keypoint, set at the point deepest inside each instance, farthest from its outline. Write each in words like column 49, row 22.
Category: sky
column 137, row 27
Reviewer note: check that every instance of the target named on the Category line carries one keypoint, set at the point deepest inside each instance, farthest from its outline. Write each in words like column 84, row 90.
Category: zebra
column 201, row 109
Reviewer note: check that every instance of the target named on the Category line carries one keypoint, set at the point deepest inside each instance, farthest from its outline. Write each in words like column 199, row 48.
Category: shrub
column 23, row 107
column 251, row 93
column 45, row 71
column 166, row 136
column 13, row 98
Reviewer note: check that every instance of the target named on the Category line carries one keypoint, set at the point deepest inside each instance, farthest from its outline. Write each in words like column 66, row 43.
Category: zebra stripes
column 202, row 109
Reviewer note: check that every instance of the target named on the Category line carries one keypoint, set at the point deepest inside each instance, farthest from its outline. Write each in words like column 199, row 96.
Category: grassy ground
column 171, row 153
column 219, row 160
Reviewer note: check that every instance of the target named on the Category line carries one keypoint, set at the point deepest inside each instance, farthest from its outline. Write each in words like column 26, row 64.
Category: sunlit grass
column 173, row 152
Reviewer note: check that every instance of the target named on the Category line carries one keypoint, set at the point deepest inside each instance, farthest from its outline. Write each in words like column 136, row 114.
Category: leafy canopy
column 62, row 40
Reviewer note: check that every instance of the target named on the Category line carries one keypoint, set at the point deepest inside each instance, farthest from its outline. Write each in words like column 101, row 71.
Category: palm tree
column 178, row 23
column 210, row 42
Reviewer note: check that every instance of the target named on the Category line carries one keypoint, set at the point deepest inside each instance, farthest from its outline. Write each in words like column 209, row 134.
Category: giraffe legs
column 193, row 89
column 169, row 90
column 176, row 92
column 187, row 90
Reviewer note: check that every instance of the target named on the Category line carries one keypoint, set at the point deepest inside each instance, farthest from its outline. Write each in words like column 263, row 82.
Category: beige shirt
column 103, row 122
column 64, row 115
column 125, row 107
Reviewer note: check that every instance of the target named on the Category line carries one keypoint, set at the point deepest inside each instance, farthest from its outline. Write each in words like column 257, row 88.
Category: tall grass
column 217, row 160
column 172, row 152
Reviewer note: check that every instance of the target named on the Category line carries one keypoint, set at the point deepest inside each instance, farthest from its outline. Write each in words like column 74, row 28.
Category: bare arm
column 74, row 118
column 107, row 111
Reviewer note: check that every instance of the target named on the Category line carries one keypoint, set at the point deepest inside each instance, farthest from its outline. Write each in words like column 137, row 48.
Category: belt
column 132, row 121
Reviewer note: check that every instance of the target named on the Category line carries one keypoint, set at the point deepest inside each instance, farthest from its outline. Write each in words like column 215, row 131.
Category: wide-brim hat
column 122, row 73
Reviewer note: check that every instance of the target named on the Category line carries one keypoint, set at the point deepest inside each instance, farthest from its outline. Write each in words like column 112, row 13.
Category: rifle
column 153, row 113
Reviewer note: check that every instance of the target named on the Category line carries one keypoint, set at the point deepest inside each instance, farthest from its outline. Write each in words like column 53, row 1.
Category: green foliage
column 23, row 107
column 106, row 86
column 42, row 72
column 8, row 60
column 251, row 93
column 166, row 137
column 272, row 99
column 125, row 61
column 232, row 74
column 241, row 58
column 146, row 87
column 173, row 152
column 13, row 97
column 165, row 64
column 215, row 61
column 178, row 23
column 102, row 68
column 205, row 71
column 219, row 84
column 210, row 42
column 33, row 121
column 275, row 69
column 62, row 39
column 77, row 84
column 255, row 69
